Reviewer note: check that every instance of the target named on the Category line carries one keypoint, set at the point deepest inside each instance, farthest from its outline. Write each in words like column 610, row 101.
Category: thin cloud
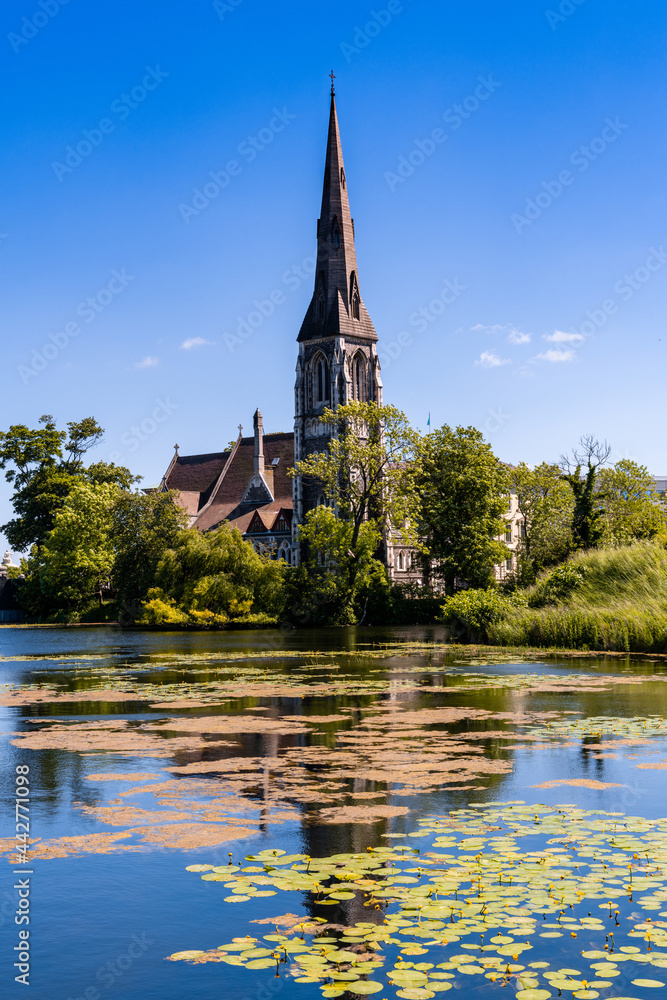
column 191, row 342
column 556, row 357
column 489, row 359
column 562, row 337
column 513, row 335
column 147, row 362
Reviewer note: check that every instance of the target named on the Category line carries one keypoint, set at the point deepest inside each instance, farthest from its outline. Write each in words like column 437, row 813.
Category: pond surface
column 408, row 764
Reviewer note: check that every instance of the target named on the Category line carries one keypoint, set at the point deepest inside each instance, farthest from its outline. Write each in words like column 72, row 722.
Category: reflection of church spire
column 336, row 308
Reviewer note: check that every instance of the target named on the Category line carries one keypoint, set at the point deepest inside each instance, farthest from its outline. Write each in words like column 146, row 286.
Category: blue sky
column 541, row 199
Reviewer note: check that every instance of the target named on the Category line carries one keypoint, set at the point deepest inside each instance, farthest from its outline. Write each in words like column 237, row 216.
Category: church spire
column 336, row 308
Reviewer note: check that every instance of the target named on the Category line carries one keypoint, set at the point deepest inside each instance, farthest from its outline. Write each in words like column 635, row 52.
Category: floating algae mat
column 550, row 901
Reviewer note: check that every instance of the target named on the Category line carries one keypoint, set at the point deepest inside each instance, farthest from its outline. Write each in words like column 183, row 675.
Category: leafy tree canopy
column 340, row 575
column 631, row 507
column 44, row 464
column 144, row 527
column 368, row 471
column 547, row 505
column 464, row 491
column 218, row 574
column 580, row 470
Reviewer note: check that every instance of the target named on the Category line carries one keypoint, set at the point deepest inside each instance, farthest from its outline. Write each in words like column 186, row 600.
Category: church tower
column 338, row 359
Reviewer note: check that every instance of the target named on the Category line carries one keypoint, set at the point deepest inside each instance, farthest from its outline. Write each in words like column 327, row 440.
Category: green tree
column 581, row 470
column 43, row 465
column 546, row 504
column 631, row 507
column 368, row 471
column 340, row 574
column 218, row 576
column 463, row 489
column 76, row 560
column 144, row 527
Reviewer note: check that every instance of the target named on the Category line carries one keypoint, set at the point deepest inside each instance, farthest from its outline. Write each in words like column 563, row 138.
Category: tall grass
column 620, row 604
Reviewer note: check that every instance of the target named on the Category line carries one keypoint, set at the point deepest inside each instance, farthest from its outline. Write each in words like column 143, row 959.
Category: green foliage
column 547, row 505
column 368, row 471
column 76, row 560
column 619, row 602
column 218, row 574
column 635, row 631
column 631, row 508
column 557, row 585
column 144, row 527
column 581, row 473
column 161, row 610
column 470, row 613
column 44, row 465
column 463, row 493
column 340, row 577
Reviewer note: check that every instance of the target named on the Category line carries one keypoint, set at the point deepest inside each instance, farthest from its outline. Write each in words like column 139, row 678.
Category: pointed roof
column 336, row 308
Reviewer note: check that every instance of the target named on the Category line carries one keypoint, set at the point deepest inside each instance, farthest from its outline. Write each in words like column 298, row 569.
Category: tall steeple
column 338, row 361
column 336, row 308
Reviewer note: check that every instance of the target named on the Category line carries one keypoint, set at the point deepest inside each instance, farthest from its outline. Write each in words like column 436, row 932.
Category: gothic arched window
column 359, row 378
column 335, row 234
column 342, row 177
column 322, row 380
column 354, row 296
column 321, row 305
column 401, row 561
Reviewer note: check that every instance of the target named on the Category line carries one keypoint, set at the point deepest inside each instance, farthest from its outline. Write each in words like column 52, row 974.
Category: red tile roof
column 212, row 487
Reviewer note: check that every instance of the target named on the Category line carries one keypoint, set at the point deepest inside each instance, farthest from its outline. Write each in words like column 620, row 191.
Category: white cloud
column 483, row 328
column 147, row 362
column 489, row 359
column 513, row 335
column 191, row 342
column 561, row 337
column 555, row 357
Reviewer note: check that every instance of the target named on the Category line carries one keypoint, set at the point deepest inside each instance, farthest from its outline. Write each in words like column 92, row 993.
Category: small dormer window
column 335, row 234
column 342, row 177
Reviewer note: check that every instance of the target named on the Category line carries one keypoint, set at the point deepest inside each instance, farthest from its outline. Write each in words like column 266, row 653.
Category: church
column 248, row 485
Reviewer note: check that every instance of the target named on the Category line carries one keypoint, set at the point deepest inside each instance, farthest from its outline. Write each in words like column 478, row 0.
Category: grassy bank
column 609, row 599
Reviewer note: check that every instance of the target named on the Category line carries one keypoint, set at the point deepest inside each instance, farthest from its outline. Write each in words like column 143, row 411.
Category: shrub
column 470, row 613
column 160, row 610
column 557, row 585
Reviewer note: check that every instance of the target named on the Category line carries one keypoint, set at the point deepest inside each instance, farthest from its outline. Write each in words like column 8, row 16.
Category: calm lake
column 149, row 753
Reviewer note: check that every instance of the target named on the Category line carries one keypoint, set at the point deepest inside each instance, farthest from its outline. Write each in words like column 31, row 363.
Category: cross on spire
column 333, row 77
